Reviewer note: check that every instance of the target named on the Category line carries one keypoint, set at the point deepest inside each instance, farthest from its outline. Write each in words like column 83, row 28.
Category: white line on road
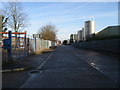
column 46, row 60
column 96, row 67
column 22, row 86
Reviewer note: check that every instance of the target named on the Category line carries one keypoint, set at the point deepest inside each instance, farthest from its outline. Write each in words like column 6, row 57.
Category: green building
column 109, row 32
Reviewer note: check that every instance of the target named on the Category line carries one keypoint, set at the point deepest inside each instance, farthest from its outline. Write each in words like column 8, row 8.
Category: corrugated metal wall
column 40, row 44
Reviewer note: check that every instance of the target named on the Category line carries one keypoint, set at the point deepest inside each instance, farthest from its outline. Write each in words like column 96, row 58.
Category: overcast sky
column 69, row 17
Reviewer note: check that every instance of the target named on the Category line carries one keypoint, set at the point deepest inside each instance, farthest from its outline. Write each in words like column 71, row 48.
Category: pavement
column 66, row 67
column 25, row 63
column 18, row 72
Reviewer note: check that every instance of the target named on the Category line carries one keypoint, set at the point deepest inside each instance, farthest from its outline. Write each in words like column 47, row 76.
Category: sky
column 69, row 17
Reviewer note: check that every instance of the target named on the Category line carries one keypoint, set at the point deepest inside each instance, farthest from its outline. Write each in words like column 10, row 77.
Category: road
column 69, row 67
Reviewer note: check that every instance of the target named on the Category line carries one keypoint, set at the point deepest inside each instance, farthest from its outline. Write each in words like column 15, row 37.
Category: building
column 89, row 29
column 80, row 35
column 109, row 32
column 73, row 38
column 68, row 41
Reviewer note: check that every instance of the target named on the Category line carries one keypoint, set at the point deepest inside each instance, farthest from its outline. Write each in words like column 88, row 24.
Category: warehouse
column 109, row 32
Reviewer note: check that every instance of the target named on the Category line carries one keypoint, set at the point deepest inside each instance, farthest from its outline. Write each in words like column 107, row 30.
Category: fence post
column 35, row 44
column 28, row 46
column 25, row 44
column 10, row 45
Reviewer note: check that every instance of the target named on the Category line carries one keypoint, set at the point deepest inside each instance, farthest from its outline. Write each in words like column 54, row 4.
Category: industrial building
column 73, row 38
column 80, row 35
column 87, row 32
column 89, row 29
column 109, row 32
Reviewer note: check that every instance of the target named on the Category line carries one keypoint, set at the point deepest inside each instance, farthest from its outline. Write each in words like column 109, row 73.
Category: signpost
column 36, row 36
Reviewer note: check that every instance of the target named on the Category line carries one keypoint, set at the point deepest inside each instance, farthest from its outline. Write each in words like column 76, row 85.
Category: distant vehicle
column 65, row 42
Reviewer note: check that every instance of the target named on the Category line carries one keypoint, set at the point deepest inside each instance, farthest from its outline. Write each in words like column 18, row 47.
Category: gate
column 14, row 45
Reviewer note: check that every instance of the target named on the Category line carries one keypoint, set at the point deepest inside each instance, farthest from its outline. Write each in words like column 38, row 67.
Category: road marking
column 22, row 86
column 16, row 69
column 5, row 71
column 96, row 67
column 45, row 60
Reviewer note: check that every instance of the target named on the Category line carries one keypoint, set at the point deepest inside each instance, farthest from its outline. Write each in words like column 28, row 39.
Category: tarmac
column 66, row 67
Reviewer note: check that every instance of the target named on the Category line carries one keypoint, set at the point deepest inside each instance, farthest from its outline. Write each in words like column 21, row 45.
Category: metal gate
column 14, row 45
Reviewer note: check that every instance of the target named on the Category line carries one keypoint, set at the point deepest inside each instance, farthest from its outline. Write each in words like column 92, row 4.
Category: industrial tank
column 80, row 35
column 73, row 37
column 89, row 28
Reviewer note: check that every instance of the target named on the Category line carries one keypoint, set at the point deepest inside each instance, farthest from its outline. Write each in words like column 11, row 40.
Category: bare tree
column 4, row 21
column 17, row 17
column 48, row 32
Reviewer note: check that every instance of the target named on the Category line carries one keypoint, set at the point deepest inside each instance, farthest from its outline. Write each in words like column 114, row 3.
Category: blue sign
column 6, row 44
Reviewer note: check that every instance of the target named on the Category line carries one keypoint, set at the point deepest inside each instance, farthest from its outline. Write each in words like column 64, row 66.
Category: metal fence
column 21, row 46
column 16, row 49
column 110, row 45
column 38, row 44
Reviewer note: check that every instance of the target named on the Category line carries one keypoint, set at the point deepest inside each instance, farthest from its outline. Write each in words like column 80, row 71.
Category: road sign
column 6, row 43
column 37, row 36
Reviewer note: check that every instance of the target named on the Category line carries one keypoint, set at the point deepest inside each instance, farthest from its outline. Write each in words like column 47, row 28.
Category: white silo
column 80, row 35
column 89, row 28
column 83, row 30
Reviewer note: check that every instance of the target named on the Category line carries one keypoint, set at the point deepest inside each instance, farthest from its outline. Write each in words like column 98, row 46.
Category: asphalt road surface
column 69, row 67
